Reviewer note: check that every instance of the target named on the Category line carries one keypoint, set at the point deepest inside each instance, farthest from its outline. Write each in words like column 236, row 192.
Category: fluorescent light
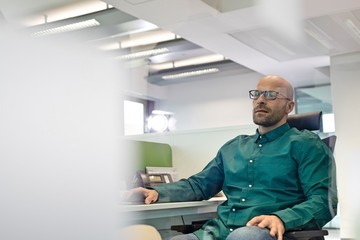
column 148, row 38
column 68, row 28
column 199, row 60
column 187, row 62
column 67, row 11
column 190, row 73
column 75, row 10
column 161, row 66
column 110, row 46
column 34, row 21
column 143, row 53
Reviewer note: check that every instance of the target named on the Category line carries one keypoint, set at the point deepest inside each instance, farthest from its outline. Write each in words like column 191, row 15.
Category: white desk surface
column 158, row 210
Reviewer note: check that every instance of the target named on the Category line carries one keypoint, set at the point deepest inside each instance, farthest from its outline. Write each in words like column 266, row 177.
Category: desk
column 173, row 209
column 163, row 215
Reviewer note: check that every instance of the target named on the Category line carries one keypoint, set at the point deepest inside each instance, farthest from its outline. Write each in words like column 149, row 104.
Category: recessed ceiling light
column 190, row 73
column 143, row 53
column 67, row 28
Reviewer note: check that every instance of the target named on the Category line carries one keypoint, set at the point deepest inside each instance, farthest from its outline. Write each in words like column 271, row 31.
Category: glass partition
column 316, row 98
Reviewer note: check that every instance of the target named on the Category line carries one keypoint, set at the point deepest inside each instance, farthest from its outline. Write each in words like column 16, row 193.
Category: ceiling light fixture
column 161, row 66
column 190, row 73
column 143, row 54
column 67, row 28
column 199, row 60
column 68, row 11
column 187, row 62
column 148, row 38
column 110, row 46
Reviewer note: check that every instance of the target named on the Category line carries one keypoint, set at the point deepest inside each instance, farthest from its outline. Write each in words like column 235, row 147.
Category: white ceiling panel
column 239, row 30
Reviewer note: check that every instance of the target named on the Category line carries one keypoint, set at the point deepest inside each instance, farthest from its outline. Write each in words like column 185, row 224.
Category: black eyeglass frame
column 268, row 95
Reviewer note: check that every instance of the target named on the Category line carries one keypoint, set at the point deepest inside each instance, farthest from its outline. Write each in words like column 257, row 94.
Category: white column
column 345, row 80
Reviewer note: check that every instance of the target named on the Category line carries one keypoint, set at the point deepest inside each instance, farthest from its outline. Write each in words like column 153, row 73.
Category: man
column 275, row 180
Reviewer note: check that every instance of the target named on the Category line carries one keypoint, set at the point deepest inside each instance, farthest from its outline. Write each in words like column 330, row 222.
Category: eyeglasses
column 268, row 95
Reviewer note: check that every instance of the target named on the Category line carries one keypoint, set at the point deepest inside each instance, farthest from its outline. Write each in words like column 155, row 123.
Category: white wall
column 345, row 72
column 136, row 85
column 211, row 103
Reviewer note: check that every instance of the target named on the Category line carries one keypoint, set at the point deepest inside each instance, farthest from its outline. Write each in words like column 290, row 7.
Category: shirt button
column 250, row 161
column 231, row 229
column 243, row 199
column 233, row 209
column 260, row 145
column 250, row 186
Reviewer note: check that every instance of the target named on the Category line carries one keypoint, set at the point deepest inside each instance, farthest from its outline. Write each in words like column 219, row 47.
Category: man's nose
column 261, row 99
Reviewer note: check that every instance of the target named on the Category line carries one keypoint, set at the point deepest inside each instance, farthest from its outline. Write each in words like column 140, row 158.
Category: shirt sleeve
column 200, row 186
column 318, row 180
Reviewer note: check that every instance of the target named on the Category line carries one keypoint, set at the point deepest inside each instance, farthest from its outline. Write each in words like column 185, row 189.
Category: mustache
column 261, row 108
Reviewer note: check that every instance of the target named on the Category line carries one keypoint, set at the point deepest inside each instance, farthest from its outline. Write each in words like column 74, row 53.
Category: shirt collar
column 272, row 135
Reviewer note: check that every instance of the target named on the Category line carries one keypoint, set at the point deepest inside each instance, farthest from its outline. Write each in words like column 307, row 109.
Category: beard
column 267, row 119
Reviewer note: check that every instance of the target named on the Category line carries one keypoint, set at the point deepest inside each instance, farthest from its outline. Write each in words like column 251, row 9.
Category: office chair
column 312, row 122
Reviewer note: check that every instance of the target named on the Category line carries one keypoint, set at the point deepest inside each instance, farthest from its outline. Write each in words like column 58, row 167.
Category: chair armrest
column 306, row 234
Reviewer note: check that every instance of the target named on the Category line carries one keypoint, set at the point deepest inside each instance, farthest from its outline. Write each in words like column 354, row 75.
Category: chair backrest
column 310, row 121
column 330, row 142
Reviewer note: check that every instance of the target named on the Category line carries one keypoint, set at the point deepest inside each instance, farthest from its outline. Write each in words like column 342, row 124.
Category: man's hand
column 148, row 196
column 272, row 222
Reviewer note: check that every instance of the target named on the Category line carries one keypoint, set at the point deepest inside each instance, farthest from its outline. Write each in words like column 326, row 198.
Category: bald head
column 271, row 113
column 276, row 83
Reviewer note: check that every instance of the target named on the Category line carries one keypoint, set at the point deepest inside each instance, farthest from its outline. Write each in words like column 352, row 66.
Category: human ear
column 290, row 106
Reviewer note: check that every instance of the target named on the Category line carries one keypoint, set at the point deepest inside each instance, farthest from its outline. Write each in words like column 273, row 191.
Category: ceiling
column 294, row 39
column 270, row 37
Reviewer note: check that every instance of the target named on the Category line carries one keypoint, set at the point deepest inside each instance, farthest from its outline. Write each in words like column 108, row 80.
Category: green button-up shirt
column 285, row 172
